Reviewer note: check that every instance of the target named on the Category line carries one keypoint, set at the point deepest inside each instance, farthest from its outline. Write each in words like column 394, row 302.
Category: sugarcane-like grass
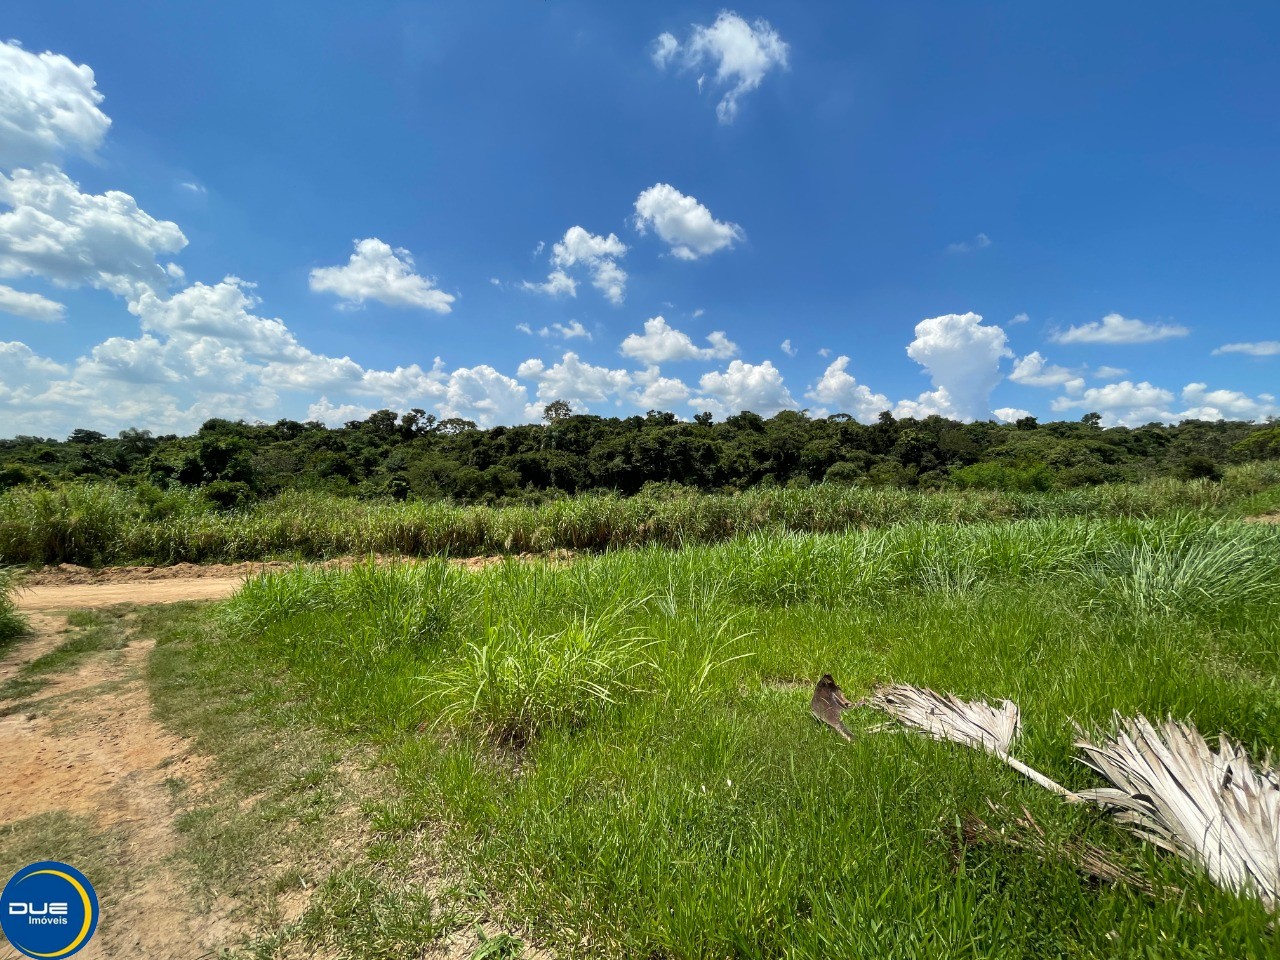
column 622, row 752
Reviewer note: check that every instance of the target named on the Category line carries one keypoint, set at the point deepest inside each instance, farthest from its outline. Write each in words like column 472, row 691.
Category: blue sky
column 314, row 211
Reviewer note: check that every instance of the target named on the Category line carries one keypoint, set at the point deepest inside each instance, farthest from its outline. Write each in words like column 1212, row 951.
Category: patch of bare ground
column 95, row 750
column 1272, row 517
column 47, row 632
column 67, row 586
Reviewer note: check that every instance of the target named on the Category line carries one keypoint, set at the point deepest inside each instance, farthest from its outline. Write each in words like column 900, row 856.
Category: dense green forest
column 416, row 456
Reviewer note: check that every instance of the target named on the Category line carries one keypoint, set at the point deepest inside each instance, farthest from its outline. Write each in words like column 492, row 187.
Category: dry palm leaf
column 1023, row 833
column 1214, row 809
column 973, row 723
column 828, row 703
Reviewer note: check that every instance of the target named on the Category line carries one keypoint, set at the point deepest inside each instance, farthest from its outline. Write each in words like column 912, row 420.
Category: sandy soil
column 94, row 750
column 68, row 586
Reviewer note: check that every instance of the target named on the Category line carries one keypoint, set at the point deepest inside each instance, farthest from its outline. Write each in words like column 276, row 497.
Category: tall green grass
column 670, row 796
column 12, row 624
column 101, row 523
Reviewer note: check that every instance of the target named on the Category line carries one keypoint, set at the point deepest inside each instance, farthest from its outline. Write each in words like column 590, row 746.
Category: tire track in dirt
column 89, row 747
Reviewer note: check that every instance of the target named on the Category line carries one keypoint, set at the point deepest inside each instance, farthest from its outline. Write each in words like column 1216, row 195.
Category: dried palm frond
column 973, row 723
column 1214, row 809
column 1023, row 833
column 828, row 703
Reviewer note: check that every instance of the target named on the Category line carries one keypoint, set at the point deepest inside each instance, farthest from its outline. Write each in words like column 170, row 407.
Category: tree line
column 415, row 455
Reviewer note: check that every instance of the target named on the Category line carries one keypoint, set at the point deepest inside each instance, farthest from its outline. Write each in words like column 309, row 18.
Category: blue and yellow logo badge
column 48, row 909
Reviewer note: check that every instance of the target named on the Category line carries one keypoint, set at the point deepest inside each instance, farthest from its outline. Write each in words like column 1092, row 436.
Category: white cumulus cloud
column 485, row 396
column 581, row 384
column 743, row 386
column 1011, row 414
column 839, row 392
column 378, row 272
column 683, row 223
column 30, row 305
column 48, row 107
column 104, row 240
column 741, row 53
column 597, row 254
column 1113, row 328
column 661, row 343
column 656, row 392
column 963, row 359
column 1125, row 402
column 566, row 331
column 1034, row 371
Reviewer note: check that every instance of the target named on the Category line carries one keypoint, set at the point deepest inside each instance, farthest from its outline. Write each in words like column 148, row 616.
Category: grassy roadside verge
column 291, row 825
column 101, row 523
column 621, row 750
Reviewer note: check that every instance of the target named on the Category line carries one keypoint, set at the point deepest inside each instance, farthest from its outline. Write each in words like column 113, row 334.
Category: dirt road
column 69, row 587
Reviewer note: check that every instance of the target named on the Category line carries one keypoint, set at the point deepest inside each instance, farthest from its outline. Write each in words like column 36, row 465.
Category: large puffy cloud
column 741, row 53
column 963, row 359
column 744, row 386
column 1034, row 371
column 656, row 392
column 839, row 392
column 661, row 343
column 1113, row 328
column 485, row 396
column 579, row 383
column 377, row 272
column 336, row 414
column 1262, row 348
column 597, row 254
column 23, row 373
column 72, row 238
column 686, row 225
column 48, row 107
column 1205, row 404
column 30, row 305
column 1126, row 402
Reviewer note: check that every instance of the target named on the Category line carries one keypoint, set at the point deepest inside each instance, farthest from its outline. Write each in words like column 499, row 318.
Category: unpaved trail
column 90, row 747
column 67, row 586
column 80, row 596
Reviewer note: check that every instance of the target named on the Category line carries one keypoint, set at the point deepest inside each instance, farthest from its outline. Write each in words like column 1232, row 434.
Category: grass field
column 619, row 752
column 102, row 523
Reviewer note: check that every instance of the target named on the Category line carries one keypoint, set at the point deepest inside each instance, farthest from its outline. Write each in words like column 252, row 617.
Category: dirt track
column 67, row 586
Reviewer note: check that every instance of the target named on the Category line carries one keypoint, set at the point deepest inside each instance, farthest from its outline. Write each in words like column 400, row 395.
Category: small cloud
column 1011, row 414
column 496, row 282
column 699, row 312
column 742, row 54
column 30, row 305
column 525, row 328
column 1109, row 373
column 788, row 349
column 537, row 251
column 574, row 329
column 1262, row 348
column 686, row 225
column 194, row 187
column 979, row 242
column 1020, row 318
column 824, row 352
column 1114, row 328
column 583, row 249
